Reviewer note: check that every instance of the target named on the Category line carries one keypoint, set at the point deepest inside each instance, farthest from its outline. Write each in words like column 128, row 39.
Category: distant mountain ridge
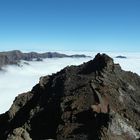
column 121, row 56
column 14, row 57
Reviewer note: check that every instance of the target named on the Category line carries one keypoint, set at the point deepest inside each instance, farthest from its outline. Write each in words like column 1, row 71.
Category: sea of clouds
column 15, row 80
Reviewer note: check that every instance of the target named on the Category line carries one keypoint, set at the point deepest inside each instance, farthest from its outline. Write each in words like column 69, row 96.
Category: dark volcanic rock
column 94, row 101
column 38, row 59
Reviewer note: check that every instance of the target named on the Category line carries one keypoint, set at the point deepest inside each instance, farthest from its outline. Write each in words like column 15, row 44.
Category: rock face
column 14, row 57
column 94, row 101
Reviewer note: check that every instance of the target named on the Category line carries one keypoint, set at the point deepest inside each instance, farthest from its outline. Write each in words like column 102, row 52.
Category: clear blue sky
column 97, row 25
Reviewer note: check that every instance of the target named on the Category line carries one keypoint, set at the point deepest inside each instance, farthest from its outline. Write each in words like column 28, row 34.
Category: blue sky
column 89, row 25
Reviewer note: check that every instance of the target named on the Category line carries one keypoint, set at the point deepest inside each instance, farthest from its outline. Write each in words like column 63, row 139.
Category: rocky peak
column 104, row 60
column 94, row 101
column 99, row 63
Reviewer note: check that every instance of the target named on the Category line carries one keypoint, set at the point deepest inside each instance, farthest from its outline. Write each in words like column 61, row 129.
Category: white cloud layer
column 17, row 80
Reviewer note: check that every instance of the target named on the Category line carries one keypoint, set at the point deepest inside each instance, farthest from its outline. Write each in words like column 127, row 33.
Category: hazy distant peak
column 14, row 56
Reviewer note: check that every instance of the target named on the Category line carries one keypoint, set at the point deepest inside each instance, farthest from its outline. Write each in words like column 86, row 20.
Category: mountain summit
column 93, row 101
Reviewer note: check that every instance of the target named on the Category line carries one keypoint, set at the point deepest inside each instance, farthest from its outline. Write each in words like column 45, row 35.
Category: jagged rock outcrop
column 14, row 57
column 19, row 134
column 94, row 101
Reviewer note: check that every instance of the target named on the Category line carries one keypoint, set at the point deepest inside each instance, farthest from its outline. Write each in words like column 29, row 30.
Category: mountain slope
column 94, row 101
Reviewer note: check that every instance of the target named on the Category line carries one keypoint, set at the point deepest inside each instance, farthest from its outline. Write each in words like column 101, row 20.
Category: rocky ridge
column 14, row 57
column 93, row 101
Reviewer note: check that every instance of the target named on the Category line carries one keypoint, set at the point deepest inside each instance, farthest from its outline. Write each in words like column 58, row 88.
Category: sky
column 79, row 25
